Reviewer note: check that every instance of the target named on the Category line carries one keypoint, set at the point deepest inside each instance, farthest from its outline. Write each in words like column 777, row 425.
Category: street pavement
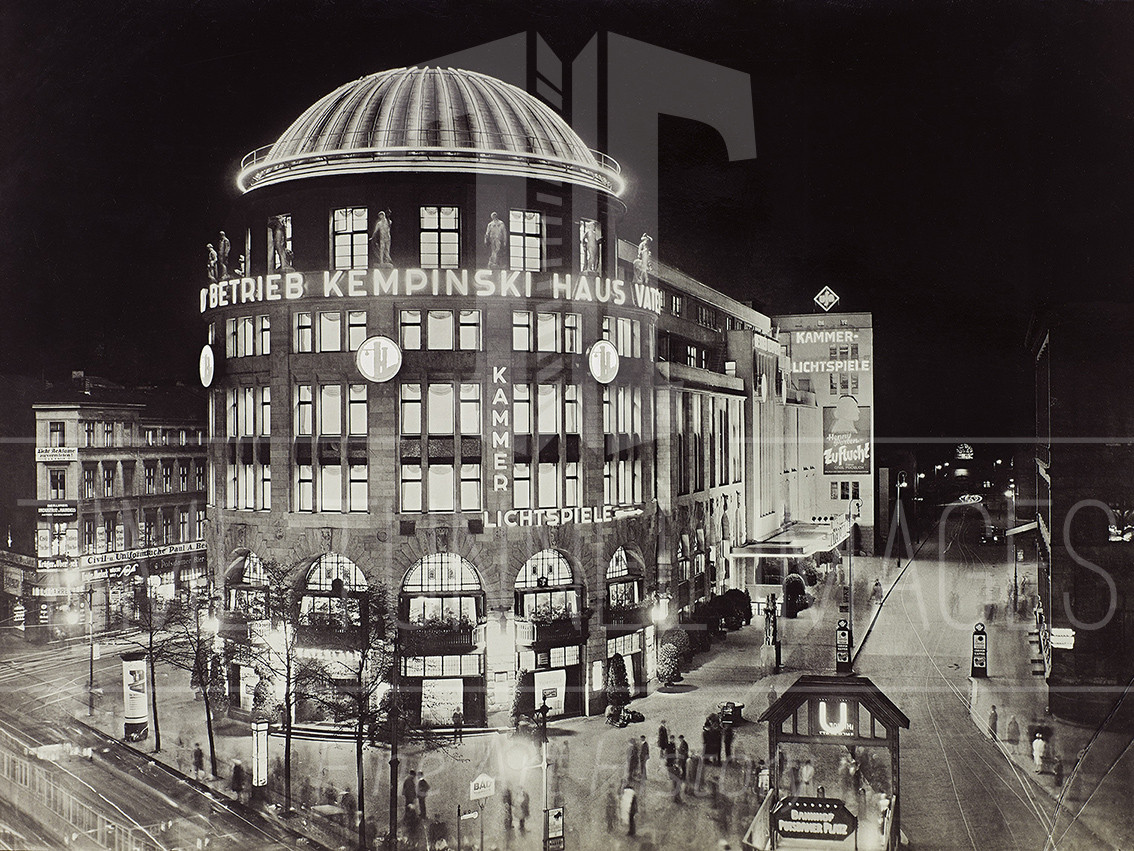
column 960, row 789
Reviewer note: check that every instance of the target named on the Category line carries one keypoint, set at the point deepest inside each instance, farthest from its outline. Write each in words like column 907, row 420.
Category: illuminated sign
column 206, row 365
column 58, row 509
column 826, row 298
column 846, row 438
column 815, row 818
column 603, row 361
column 481, row 283
column 501, row 429
column 134, row 555
column 56, row 454
column 378, row 359
column 834, row 717
column 964, row 452
column 518, row 517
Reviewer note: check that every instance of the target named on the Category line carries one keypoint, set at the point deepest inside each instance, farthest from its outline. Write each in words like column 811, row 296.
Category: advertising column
column 134, row 699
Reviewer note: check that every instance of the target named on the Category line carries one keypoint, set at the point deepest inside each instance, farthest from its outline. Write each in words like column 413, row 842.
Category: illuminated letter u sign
column 837, row 729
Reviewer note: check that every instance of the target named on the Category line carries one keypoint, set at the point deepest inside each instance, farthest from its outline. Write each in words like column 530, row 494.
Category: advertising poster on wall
column 846, row 437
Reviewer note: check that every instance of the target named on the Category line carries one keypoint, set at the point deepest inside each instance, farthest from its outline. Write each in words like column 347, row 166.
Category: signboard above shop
column 56, row 454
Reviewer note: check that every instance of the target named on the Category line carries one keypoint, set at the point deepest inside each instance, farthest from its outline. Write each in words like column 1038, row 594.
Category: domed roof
column 430, row 119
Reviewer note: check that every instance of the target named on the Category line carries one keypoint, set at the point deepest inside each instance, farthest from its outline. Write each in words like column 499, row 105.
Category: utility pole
column 392, row 835
column 90, row 635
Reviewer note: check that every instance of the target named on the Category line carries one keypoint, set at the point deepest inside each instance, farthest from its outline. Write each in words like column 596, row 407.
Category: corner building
column 495, row 471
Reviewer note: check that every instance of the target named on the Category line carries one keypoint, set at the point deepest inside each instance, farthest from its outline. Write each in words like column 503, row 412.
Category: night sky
column 945, row 165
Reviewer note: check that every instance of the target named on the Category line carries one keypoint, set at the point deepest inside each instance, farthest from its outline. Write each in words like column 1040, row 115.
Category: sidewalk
column 1096, row 789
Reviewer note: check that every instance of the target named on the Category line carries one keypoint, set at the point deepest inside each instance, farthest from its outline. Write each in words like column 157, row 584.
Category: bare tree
column 191, row 647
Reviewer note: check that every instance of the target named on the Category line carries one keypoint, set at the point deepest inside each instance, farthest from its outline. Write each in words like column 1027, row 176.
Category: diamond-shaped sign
column 827, row 298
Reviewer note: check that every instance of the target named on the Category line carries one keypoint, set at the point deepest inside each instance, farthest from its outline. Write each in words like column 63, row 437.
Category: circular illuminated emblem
column 378, row 359
column 603, row 361
column 207, row 365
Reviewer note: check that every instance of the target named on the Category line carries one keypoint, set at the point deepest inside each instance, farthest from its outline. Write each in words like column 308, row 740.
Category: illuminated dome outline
column 430, row 120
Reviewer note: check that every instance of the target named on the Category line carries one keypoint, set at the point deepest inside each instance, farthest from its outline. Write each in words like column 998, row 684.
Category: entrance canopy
column 798, row 539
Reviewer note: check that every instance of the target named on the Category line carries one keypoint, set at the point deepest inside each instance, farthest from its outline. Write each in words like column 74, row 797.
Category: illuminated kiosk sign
column 814, row 818
column 481, row 283
column 846, row 437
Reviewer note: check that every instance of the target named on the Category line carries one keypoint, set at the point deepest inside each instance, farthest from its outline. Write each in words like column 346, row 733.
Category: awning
column 797, row 540
column 1018, row 530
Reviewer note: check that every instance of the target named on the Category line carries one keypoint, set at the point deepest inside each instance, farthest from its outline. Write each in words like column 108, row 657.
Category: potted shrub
column 669, row 669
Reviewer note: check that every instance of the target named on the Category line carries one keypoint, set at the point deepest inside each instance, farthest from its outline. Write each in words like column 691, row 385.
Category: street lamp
column 898, row 508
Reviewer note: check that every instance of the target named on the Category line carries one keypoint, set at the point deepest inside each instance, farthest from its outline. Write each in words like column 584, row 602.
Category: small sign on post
column 980, row 652
column 482, row 787
column 842, row 648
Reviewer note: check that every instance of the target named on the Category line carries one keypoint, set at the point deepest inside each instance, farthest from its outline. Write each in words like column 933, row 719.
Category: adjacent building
column 118, row 498
column 1084, row 507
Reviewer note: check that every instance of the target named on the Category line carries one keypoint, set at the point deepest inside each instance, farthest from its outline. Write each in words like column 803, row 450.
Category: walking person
column 663, row 737
column 682, row 754
column 198, row 761
column 409, row 790
column 506, row 799
column 458, row 724
column 726, row 735
column 806, row 776
column 422, row 791
column 643, row 756
column 629, row 809
column 525, row 809
column 632, row 755
column 611, row 810
column 238, row 781
column 1039, row 748
column 1012, row 735
column 992, row 721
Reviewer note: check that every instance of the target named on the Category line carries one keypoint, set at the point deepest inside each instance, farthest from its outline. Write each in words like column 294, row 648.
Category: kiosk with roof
column 835, row 768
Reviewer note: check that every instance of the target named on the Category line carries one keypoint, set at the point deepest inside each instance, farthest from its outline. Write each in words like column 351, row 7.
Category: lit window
column 521, row 331
column 571, row 492
column 356, row 329
column 470, row 409
column 183, row 524
column 547, row 332
column 525, row 240
column 442, row 487
column 264, row 335
column 151, row 478
column 440, row 237
column 470, row 487
column 200, row 477
column 357, row 416
column 411, row 409
column 304, row 487
column 572, row 340
column 349, row 230
column 547, row 409
column 521, row 409
column 108, row 434
column 182, row 477
column 521, row 486
column 55, row 434
column 266, row 411
column 358, row 487
column 303, row 333
column 330, row 332
column 548, row 485
column 330, row 409
column 330, row 487
column 571, row 415
column 440, row 411
column 411, row 329
column 88, row 434
column 439, row 329
column 266, row 486
column 57, row 484
column 411, row 487
column 469, row 330
column 304, row 410
column 200, row 524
